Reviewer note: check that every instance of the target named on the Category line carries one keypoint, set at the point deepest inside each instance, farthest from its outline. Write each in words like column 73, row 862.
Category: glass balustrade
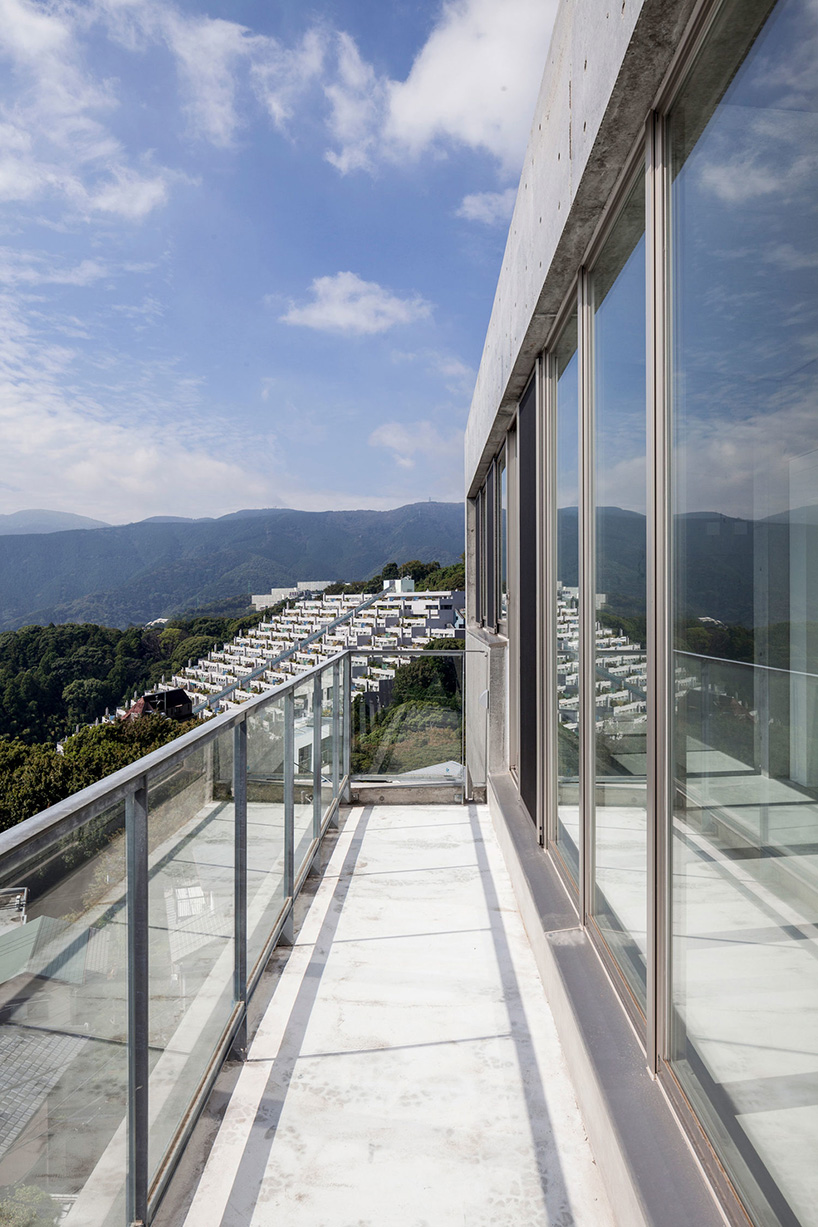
column 135, row 915
column 409, row 729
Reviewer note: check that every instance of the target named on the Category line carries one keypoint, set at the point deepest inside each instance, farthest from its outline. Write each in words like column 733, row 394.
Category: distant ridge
column 133, row 573
column 38, row 520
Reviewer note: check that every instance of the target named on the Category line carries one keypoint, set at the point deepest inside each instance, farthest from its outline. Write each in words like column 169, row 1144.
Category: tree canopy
column 55, row 677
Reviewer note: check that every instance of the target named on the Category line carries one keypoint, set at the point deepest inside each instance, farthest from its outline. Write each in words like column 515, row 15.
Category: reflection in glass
column 620, row 814
column 63, row 1034
column 745, row 476
column 305, row 716
column 568, row 479
column 502, row 537
column 265, row 826
column 191, row 838
column 407, row 718
column 327, row 736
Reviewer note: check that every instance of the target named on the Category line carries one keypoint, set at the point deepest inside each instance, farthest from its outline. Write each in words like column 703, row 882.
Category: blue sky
column 248, row 251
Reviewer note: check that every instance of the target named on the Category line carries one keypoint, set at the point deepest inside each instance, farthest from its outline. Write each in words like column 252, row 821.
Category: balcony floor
column 406, row 1071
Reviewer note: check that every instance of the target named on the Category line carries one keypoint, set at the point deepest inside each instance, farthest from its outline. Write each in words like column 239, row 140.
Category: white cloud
column 344, row 303
column 358, row 98
column 221, row 65
column 120, row 445
column 207, row 53
column 457, row 376
column 28, row 268
column 128, row 194
column 53, row 141
column 498, row 52
column 280, row 75
column 418, row 439
column 473, row 83
column 491, row 208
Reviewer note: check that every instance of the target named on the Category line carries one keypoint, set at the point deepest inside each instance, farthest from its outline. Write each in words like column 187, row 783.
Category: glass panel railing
column 191, row 834
column 63, row 1029
column 265, row 826
column 122, row 949
column 303, row 757
column 407, row 717
column 328, row 738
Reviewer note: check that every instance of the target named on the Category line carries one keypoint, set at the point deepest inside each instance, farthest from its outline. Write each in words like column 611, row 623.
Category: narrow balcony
column 406, row 1069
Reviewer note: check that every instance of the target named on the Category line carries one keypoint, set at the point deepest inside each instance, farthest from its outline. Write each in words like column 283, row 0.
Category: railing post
column 317, row 731
column 136, row 850
column 287, row 933
column 346, row 762
column 239, row 1046
column 336, row 728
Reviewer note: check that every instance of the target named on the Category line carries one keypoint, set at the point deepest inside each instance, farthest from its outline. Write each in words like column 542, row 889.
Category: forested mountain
column 40, row 521
column 720, row 551
column 137, row 572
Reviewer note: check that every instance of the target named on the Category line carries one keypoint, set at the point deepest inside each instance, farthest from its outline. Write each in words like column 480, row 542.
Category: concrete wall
column 606, row 62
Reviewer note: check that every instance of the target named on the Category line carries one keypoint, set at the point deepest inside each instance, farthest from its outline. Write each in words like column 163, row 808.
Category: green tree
column 417, row 570
column 84, row 700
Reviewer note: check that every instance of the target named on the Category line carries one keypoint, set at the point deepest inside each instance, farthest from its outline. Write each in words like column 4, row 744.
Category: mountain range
column 718, row 558
column 133, row 573
column 38, row 520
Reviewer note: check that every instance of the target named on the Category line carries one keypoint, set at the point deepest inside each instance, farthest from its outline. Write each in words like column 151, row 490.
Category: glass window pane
column 502, row 542
column 191, row 889
column 63, row 1035
column 619, row 899
column 528, row 602
column 568, row 485
column 745, row 476
column 265, row 826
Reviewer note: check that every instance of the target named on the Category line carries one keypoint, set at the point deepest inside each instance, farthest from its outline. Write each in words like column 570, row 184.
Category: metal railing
column 154, row 900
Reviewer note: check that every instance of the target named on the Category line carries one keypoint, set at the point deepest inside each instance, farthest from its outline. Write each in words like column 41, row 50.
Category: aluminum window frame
column 548, row 613
column 500, row 468
column 513, row 621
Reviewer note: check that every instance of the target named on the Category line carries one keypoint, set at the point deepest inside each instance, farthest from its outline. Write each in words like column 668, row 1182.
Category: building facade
column 642, row 482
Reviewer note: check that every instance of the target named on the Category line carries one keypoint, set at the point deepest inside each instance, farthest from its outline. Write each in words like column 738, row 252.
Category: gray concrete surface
column 407, row 1070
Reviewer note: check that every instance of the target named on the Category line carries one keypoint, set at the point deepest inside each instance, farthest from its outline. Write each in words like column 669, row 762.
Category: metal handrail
column 21, row 846
column 745, row 664
column 64, row 816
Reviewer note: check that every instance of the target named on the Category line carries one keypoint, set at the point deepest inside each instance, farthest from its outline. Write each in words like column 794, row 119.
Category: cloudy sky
column 248, row 250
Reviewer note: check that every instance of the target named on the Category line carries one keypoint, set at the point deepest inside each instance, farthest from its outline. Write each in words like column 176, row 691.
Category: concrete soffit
column 658, row 29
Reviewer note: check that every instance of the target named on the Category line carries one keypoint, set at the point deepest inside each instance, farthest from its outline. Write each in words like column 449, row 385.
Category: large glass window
column 620, row 664
column 744, row 185
column 528, row 604
column 567, row 596
column 502, row 538
column 479, row 562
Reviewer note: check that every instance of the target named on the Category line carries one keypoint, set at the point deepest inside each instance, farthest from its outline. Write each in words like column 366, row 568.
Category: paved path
column 407, row 1072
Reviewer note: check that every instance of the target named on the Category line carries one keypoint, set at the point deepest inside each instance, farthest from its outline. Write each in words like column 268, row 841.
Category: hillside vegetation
column 34, row 777
column 55, row 677
column 137, row 572
column 428, row 577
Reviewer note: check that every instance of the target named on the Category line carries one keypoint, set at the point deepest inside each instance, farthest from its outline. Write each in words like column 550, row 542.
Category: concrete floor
column 407, row 1070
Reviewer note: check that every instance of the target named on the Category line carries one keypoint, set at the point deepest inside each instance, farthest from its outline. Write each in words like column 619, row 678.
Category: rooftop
column 406, row 1069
